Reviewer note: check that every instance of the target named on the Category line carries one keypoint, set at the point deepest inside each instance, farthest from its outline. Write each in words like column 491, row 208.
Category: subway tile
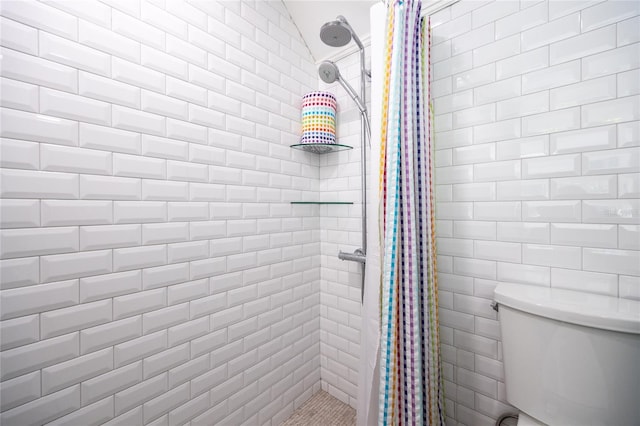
column 536, row 189
column 105, row 89
column 628, row 134
column 626, row 31
column 611, row 211
column 454, row 211
column 500, row 49
column 71, row 372
column 550, row 122
column 612, row 261
column 109, row 139
column 498, row 211
column 474, row 230
column 584, row 235
column 523, row 63
column 583, row 45
column 93, row 187
column 611, row 161
column 31, row 69
column 553, row 31
column 452, row 28
column 522, row 21
column 453, row 65
column 523, row 105
column 34, row 242
column 593, row 139
column 583, row 93
column 552, row 211
column 75, row 265
column 525, row 274
column 533, row 146
column 589, row 187
column 134, row 74
column 473, row 154
column 138, row 121
column 34, row 299
column 19, row 95
column 474, row 78
column 629, row 237
column 629, row 287
column 98, row 13
column 497, row 250
column 65, row 105
column 19, row 213
column 611, row 62
column 18, row 154
column 128, row 26
column 453, row 138
column 468, row 41
column 629, row 185
column 73, row 212
column 628, row 83
column 474, row 191
column 455, row 174
column 474, row 267
column 501, row 130
column 19, row 36
column 492, row 11
column 73, row 54
column 591, row 282
column 19, row 272
column 46, row 408
column 111, row 285
column 609, row 112
column 496, row 171
column 554, row 166
column 19, row 332
column 36, row 127
column 472, row 116
column 43, row 17
column 20, row 390
column 551, row 77
column 74, row 160
column 607, row 13
column 108, row 41
column 563, row 8
column 525, row 232
column 187, row 51
column 139, row 257
column 35, row 356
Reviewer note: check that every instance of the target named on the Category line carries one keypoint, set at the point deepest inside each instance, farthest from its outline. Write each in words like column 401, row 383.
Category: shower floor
column 322, row 410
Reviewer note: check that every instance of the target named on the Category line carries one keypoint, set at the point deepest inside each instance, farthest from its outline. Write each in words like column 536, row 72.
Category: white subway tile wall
column 537, row 132
column 153, row 270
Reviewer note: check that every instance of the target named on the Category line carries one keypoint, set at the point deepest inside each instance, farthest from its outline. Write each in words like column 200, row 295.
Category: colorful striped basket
column 318, row 118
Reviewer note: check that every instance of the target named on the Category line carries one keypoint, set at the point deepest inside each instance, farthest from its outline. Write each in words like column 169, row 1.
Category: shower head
column 328, row 72
column 336, row 33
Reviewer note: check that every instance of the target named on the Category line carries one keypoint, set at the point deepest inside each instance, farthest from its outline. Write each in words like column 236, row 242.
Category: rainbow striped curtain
column 411, row 391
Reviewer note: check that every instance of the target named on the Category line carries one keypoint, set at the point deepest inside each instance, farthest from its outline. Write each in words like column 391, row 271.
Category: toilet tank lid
column 587, row 309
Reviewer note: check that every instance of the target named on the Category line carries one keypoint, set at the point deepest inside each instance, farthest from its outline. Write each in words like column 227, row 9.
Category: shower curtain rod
column 431, row 8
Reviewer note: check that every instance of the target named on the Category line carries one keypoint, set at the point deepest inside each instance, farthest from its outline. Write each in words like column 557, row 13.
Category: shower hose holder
column 357, row 256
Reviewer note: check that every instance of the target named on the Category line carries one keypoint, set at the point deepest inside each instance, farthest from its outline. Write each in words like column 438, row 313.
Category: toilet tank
column 570, row 358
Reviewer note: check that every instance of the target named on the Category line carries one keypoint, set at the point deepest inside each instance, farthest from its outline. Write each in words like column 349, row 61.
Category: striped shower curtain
column 411, row 391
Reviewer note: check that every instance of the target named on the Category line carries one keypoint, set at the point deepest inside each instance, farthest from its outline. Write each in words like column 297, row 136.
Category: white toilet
column 570, row 358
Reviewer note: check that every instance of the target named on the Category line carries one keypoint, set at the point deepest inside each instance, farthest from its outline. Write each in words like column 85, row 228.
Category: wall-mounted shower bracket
column 357, row 256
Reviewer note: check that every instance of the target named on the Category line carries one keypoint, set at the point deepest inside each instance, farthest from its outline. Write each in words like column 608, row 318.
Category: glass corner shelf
column 322, row 202
column 321, row 148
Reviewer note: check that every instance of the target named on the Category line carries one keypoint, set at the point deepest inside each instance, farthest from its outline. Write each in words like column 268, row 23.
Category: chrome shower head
column 328, row 72
column 336, row 33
